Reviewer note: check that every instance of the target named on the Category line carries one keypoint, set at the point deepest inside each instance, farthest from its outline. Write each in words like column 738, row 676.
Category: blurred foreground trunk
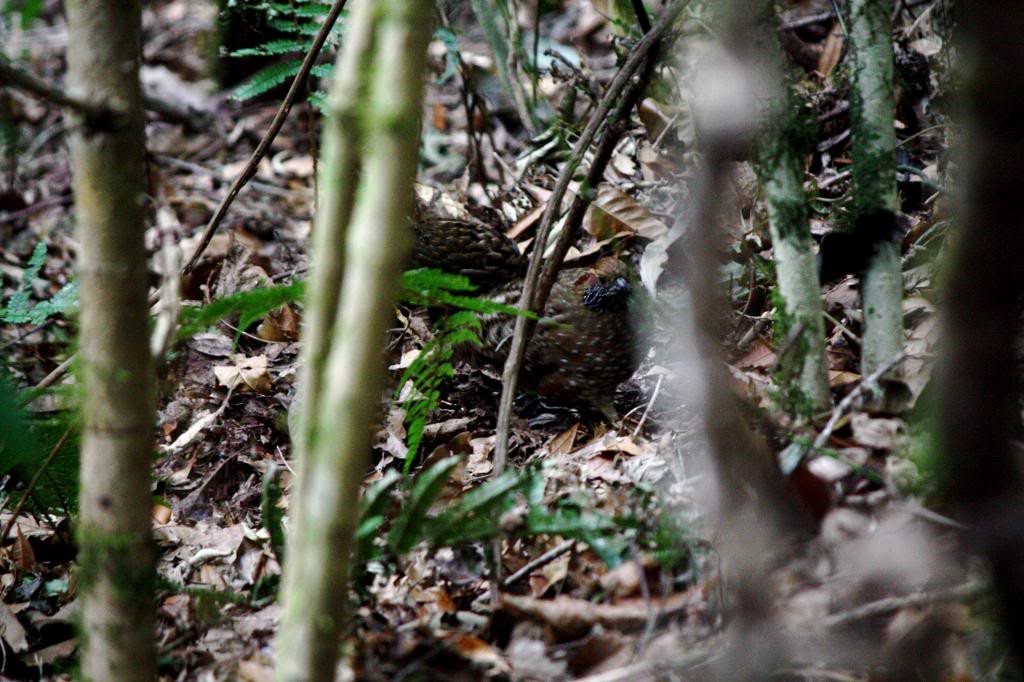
column 759, row 521
column 116, row 552
column 364, row 204
column 979, row 399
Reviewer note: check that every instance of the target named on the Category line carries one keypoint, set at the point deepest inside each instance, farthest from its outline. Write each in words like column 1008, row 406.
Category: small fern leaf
column 266, row 79
column 322, row 70
column 408, row 528
column 17, row 309
column 249, row 305
column 60, row 303
column 319, row 101
column 273, row 47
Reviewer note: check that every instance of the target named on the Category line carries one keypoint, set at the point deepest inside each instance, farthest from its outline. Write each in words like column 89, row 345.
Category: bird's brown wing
column 467, row 247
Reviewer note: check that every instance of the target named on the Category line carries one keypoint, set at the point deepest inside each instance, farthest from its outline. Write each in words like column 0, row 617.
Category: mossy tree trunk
column 341, row 403
column 781, row 174
column 116, row 555
column 874, row 175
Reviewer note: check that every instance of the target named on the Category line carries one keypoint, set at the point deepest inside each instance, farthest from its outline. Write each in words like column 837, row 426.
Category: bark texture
column 782, row 176
column 116, row 551
column 874, row 175
column 333, row 461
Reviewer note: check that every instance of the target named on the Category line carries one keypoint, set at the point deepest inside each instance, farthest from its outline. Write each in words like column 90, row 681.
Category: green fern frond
column 297, row 26
column 319, row 100
column 273, row 47
column 248, row 305
column 19, row 308
column 322, row 70
column 61, row 302
column 266, row 79
column 429, row 370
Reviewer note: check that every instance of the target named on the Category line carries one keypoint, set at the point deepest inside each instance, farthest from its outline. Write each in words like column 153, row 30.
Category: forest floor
column 608, row 566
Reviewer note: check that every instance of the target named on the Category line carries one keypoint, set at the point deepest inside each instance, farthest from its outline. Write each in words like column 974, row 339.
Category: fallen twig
column 806, row 20
column 888, row 605
column 654, row 669
column 97, row 116
column 654, row 397
column 545, row 558
column 847, row 403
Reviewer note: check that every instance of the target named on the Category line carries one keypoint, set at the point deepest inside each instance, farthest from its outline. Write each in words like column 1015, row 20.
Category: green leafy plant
column 396, row 519
column 248, row 305
column 434, row 363
column 28, row 441
column 19, row 308
column 296, row 22
column 429, row 370
column 27, row 11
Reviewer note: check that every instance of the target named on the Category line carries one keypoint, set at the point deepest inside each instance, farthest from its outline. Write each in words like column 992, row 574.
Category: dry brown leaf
column 571, row 617
column 286, row 165
column 624, row 580
column 609, row 442
column 161, row 513
column 553, row 573
column 255, row 671
column 842, row 378
column 832, row 51
column 614, row 212
column 479, row 652
column 526, row 222
column 653, row 165
column 843, row 295
column 52, row 654
column 875, row 433
column 21, row 551
column 624, row 165
column 760, row 356
column 281, row 325
column 928, row 46
column 246, row 374
column 563, row 442
column 11, row 629
column 602, row 468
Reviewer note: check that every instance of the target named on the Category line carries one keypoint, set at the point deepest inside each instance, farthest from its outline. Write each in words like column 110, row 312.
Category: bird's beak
column 622, row 285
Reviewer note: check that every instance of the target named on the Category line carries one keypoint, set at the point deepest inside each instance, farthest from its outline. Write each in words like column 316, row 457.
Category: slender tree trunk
column 797, row 278
column 340, row 168
column 979, row 401
column 116, row 556
column 332, row 463
column 874, row 175
column 782, row 176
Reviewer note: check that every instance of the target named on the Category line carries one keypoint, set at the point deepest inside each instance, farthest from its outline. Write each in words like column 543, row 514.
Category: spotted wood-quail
column 585, row 346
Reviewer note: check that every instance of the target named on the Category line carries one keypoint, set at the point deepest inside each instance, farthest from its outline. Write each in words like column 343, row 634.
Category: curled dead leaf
column 246, row 374
column 614, row 212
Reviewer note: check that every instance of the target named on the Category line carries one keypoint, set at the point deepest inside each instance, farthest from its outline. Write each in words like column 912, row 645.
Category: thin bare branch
column 275, row 127
column 510, row 375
